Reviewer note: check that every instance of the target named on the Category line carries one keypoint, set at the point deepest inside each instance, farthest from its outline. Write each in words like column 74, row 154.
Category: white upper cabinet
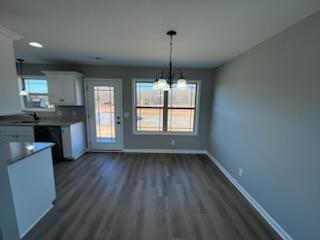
column 65, row 88
column 9, row 91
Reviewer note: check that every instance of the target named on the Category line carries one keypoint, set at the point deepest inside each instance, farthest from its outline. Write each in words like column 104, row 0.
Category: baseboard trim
column 181, row 151
column 42, row 215
column 283, row 234
column 80, row 154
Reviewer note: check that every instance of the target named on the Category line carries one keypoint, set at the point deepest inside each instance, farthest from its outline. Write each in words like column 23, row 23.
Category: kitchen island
column 27, row 187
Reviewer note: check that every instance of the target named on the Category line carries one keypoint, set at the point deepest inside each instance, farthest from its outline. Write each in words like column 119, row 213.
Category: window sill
column 38, row 110
column 166, row 133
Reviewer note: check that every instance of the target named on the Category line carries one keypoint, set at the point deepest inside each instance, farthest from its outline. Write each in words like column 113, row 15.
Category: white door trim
column 86, row 80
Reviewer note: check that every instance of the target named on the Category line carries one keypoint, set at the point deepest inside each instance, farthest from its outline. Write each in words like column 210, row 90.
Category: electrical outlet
column 240, row 172
column 59, row 112
column 74, row 113
column 173, row 142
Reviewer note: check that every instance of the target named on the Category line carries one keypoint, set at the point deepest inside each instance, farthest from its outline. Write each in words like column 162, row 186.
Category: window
column 37, row 98
column 169, row 112
column 104, row 111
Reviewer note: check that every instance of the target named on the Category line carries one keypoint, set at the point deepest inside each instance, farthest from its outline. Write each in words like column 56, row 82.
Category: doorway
column 104, row 113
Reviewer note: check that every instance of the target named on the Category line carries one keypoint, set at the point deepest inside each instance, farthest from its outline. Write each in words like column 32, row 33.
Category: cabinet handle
column 61, row 100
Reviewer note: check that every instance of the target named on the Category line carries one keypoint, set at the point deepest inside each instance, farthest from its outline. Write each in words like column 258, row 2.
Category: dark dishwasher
column 50, row 134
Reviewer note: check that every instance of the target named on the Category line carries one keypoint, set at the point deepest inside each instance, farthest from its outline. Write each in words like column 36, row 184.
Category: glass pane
column 104, row 114
column 149, row 119
column 36, row 85
column 181, row 120
column 36, row 101
column 183, row 97
column 146, row 96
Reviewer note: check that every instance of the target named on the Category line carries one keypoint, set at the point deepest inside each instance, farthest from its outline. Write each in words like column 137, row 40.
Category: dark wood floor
column 147, row 197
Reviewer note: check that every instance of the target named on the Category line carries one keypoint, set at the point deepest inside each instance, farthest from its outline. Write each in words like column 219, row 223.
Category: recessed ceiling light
column 36, row 44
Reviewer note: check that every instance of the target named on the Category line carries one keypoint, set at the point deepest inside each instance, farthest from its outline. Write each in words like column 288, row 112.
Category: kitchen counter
column 12, row 152
column 41, row 122
column 69, row 136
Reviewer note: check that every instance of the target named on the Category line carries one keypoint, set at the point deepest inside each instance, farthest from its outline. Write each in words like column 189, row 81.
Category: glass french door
column 104, row 114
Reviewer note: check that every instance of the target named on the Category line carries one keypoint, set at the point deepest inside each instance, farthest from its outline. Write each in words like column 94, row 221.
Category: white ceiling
column 132, row 32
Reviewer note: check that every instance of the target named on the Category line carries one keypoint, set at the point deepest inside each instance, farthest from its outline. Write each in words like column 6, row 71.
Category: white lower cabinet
column 73, row 140
column 73, row 137
column 16, row 134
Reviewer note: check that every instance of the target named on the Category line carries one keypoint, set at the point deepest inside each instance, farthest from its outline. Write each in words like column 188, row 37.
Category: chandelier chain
column 170, row 54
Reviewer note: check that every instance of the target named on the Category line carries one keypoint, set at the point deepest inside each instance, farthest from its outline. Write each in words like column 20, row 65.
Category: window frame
column 26, row 109
column 165, row 133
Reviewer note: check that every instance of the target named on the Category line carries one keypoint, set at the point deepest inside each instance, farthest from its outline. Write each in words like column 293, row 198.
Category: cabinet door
column 24, row 131
column 73, row 139
column 16, row 134
column 61, row 91
column 68, row 91
column 66, row 142
column 7, row 138
column 8, row 130
column 16, row 138
column 64, row 89
column 9, row 98
column 24, row 138
column 55, row 90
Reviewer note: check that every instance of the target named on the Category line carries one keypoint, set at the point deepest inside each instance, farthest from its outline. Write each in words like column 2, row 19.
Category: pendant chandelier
column 23, row 91
column 167, row 78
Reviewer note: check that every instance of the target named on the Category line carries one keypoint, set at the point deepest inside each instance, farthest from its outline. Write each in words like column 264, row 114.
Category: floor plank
column 142, row 196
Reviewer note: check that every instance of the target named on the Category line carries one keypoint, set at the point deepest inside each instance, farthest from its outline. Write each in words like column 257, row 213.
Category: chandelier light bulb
column 156, row 85
column 162, row 84
column 181, row 84
column 167, row 87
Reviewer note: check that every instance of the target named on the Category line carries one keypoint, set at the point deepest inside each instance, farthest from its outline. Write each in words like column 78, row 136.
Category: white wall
column 265, row 120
